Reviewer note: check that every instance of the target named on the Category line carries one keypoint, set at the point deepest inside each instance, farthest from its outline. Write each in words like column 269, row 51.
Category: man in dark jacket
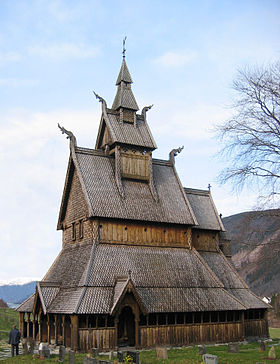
column 14, row 339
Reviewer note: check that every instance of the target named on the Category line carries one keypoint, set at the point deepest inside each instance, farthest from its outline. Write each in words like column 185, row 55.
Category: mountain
column 256, row 249
column 16, row 293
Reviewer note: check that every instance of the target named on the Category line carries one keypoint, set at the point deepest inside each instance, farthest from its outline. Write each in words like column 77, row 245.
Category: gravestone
column 31, row 345
column 209, row 359
column 25, row 347
column 61, row 356
column 201, row 349
column 134, row 355
column 111, row 355
column 262, row 346
column 71, row 356
column 233, row 347
column 120, row 356
column 271, row 353
column 46, row 352
column 94, row 352
column 161, row 352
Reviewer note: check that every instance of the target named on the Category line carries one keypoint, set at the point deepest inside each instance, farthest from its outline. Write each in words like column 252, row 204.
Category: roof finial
column 124, row 50
column 209, row 187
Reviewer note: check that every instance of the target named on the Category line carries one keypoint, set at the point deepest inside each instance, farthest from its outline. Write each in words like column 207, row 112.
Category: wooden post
column 116, row 321
column 28, row 325
column 40, row 325
column 21, row 323
column 34, row 328
column 49, row 328
column 137, row 330
column 55, row 328
column 243, row 324
column 266, row 323
column 74, row 332
column 63, row 330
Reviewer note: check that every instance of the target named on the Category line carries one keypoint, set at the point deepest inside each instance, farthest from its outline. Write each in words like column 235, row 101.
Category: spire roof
column 124, row 74
column 124, row 97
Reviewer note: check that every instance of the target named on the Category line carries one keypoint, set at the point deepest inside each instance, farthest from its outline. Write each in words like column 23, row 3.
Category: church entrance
column 126, row 327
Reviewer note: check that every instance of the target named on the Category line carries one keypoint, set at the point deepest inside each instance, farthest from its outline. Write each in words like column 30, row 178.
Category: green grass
column 274, row 333
column 248, row 354
column 8, row 318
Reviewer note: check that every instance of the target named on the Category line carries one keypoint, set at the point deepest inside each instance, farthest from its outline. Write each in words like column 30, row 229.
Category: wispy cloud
column 176, row 58
column 59, row 51
column 9, row 57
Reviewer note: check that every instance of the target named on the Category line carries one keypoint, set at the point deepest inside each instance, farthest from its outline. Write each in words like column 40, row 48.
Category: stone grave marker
column 201, row 349
column 111, row 355
column 134, row 355
column 94, row 352
column 271, row 353
column 31, row 345
column 71, row 357
column 210, row 359
column 161, row 352
column 262, row 346
column 233, row 348
column 120, row 356
column 61, row 355
column 25, row 347
column 46, row 353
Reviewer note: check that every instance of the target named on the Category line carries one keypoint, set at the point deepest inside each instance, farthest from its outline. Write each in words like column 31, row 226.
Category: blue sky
column 182, row 55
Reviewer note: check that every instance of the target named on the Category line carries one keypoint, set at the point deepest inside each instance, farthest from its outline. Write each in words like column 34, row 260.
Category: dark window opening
column 262, row 313
column 180, row 318
column 73, row 231
column 162, row 319
column 222, row 316
column 81, row 229
column 206, row 317
column 143, row 320
column 197, row 317
column 171, row 318
column 82, row 321
column 230, row 316
column 101, row 321
column 152, row 319
column 214, row 316
column 189, row 318
column 110, row 321
column 251, row 314
column 92, row 321
column 246, row 315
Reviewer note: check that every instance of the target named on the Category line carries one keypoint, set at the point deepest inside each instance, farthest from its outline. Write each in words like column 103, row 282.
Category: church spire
column 124, row 98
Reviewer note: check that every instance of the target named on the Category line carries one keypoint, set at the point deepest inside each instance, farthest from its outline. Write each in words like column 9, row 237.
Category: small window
column 230, row 316
column 222, row 316
column 214, row 316
column 143, row 320
column 189, row 318
column 162, row 319
column 110, row 321
column 152, row 319
column 73, row 231
column 206, row 317
column 101, row 321
column 81, row 229
column 197, row 317
column 180, row 318
column 171, row 319
column 92, row 321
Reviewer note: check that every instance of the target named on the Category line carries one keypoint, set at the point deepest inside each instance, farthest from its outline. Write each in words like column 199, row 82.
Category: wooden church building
column 144, row 261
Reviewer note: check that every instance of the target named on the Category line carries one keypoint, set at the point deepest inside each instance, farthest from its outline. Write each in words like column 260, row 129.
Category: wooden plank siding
column 205, row 240
column 144, row 234
column 256, row 328
column 96, row 338
column 190, row 334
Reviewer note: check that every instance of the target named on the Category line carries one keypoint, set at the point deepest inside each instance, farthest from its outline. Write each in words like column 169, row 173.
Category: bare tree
column 251, row 137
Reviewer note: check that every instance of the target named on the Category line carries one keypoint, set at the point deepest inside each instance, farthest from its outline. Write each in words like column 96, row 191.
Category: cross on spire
column 124, row 50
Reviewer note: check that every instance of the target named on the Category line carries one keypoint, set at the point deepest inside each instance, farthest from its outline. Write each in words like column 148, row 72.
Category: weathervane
column 124, row 50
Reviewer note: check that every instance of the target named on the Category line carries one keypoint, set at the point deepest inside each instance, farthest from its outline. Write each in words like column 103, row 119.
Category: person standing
column 14, row 338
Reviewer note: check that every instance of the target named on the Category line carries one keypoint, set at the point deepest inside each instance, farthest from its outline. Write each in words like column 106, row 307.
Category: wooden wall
column 135, row 165
column 96, row 338
column 190, row 334
column 205, row 240
column 256, row 328
column 143, row 234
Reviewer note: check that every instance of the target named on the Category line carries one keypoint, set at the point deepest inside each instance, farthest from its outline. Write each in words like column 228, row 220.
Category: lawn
column 248, row 354
column 8, row 318
column 274, row 333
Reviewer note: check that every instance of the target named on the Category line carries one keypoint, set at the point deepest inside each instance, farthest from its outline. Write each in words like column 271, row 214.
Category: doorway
column 126, row 327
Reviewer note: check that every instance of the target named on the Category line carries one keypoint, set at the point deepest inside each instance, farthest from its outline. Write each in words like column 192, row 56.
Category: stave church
column 144, row 260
